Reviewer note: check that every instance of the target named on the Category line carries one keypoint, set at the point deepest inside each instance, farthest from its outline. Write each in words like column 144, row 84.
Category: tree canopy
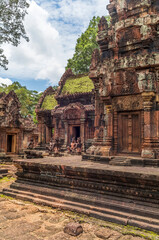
column 27, row 98
column 85, row 45
column 12, row 13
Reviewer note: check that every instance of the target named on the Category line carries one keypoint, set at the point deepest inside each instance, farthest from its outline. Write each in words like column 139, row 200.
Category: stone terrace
column 121, row 194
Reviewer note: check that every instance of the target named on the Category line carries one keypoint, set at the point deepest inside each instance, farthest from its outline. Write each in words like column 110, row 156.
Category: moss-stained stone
column 49, row 102
column 78, row 85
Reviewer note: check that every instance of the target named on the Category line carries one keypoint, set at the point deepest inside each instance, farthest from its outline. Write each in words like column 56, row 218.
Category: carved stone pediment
column 127, row 103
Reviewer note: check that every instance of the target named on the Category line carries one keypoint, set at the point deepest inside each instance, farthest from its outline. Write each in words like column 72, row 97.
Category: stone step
column 105, row 213
column 77, row 202
column 122, row 204
column 110, row 188
column 111, row 216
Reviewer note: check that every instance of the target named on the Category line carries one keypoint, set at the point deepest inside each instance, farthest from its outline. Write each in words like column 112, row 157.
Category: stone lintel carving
column 127, row 103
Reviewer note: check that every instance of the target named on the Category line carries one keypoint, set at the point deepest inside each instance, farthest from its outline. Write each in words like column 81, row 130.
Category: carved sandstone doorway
column 11, row 143
column 129, row 132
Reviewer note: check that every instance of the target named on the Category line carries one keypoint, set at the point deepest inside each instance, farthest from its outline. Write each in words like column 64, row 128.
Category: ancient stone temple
column 15, row 131
column 126, row 77
column 73, row 117
column 122, row 188
column 43, row 111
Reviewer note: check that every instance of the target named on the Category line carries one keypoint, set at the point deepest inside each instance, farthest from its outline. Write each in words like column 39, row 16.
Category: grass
column 49, row 103
column 78, row 85
column 6, row 197
column 6, row 179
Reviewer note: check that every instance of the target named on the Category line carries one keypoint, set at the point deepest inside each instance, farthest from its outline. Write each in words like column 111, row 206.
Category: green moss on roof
column 78, row 85
column 49, row 102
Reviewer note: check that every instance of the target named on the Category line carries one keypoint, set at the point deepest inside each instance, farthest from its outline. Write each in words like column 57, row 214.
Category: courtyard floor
column 21, row 220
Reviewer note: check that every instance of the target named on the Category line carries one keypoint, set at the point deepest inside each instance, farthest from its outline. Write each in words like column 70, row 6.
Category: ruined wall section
column 129, row 48
column 128, row 65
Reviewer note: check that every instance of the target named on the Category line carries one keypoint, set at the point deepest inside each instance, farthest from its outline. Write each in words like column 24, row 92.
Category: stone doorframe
column 74, row 115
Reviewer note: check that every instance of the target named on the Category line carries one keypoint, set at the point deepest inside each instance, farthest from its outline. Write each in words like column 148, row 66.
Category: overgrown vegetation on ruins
column 76, row 85
column 49, row 102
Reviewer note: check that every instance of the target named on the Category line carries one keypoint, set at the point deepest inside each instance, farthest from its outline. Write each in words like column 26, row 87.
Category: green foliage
column 6, row 179
column 27, row 98
column 49, row 102
column 12, row 13
column 85, row 45
column 78, row 85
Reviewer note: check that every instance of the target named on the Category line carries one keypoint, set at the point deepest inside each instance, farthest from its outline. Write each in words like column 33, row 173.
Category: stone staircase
column 124, row 195
column 121, row 211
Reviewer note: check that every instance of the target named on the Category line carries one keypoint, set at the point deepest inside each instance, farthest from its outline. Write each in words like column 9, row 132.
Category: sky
column 53, row 27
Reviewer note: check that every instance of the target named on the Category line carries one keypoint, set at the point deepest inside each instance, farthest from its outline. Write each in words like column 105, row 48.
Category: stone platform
column 126, row 195
column 123, row 160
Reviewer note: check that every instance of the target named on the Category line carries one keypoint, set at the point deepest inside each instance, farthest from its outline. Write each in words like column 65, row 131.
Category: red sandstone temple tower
column 126, row 77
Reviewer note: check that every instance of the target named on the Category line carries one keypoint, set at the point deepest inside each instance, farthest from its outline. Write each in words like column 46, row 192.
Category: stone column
column 147, row 149
column 40, row 132
column 56, row 128
column 43, row 133
column 83, row 133
column 66, row 133
column 108, row 146
column 97, row 108
column 115, row 132
column 3, row 142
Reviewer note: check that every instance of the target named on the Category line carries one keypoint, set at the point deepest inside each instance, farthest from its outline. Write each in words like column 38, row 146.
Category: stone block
column 73, row 229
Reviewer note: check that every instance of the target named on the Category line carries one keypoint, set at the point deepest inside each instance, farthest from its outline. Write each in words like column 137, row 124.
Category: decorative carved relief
column 127, row 103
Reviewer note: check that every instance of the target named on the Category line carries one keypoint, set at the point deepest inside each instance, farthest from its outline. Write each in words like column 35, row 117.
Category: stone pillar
column 83, row 133
column 66, row 133
column 108, row 146
column 43, row 133
column 3, row 141
column 56, row 128
column 97, row 108
column 40, row 132
column 147, row 149
column 115, row 130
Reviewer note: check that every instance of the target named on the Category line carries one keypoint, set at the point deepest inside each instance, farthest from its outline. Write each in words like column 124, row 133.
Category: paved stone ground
column 25, row 221
column 77, row 162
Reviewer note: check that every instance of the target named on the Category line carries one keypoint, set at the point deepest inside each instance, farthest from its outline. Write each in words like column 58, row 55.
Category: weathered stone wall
column 125, row 73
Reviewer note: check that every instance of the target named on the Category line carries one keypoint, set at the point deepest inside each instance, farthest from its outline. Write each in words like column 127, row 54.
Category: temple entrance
column 129, row 132
column 11, row 143
column 76, row 132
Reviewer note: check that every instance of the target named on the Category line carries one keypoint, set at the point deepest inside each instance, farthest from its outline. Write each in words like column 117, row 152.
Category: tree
column 27, row 98
column 12, row 13
column 85, row 45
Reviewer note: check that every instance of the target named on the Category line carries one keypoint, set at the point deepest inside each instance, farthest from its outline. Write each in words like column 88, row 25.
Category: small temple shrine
column 73, row 117
column 125, row 73
column 68, row 112
column 16, row 132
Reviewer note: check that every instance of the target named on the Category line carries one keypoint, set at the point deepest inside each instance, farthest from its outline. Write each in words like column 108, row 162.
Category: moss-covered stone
column 78, row 85
column 49, row 102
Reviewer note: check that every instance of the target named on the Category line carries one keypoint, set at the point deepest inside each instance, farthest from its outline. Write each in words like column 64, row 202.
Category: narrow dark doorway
column 76, row 132
column 9, row 143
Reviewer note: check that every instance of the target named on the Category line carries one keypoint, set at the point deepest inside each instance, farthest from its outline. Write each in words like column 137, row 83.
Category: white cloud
column 6, row 81
column 42, row 57
column 53, row 27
